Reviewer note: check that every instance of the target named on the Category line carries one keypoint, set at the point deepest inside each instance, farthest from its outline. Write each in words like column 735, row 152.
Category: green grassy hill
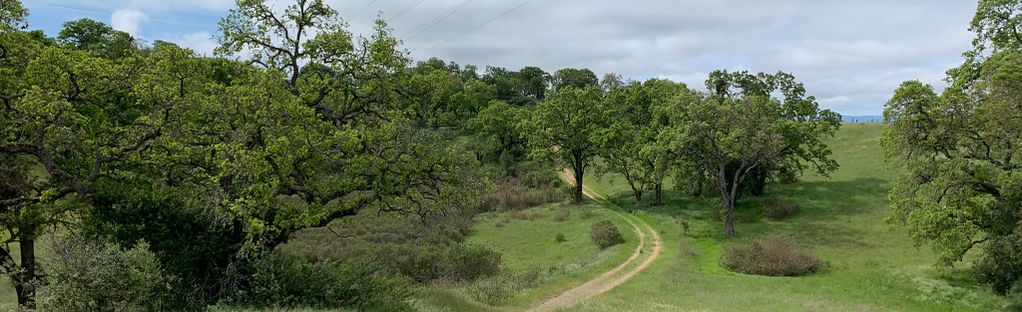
column 869, row 265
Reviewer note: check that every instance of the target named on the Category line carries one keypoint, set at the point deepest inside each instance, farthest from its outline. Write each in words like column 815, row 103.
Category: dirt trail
column 648, row 250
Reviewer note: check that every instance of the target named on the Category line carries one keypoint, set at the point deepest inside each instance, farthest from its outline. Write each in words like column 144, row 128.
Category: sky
column 851, row 55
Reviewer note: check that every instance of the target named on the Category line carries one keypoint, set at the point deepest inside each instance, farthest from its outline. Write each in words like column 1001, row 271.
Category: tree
column 565, row 126
column 574, row 78
column 69, row 119
column 501, row 125
column 634, row 145
column 318, row 133
column 740, row 129
column 803, row 125
column 959, row 189
column 96, row 37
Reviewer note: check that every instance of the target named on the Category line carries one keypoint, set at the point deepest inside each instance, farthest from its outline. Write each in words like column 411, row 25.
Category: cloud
column 859, row 50
column 201, row 42
column 127, row 20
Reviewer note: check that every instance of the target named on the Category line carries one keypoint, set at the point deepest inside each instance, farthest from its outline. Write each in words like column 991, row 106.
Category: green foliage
column 565, row 126
column 173, row 221
column 399, row 246
column 605, row 234
column 741, row 131
column 86, row 275
column 774, row 255
column 560, row 238
column 958, row 185
column 633, row 144
column 285, row 281
column 98, row 38
column 578, row 78
column 12, row 15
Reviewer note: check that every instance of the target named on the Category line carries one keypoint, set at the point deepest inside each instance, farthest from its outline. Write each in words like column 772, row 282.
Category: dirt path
column 645, row 253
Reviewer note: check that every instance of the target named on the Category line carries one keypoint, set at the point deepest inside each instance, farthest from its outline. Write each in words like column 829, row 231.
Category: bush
column 774, row 255
column 562, row 215
column 512, row 195
column 398, row 246
column 526, row 215
column 469, row 262
column 560, row 238
column 605, row 234
column 86, row 275
column 280, row 280
column 171, row 221
column 779, row 209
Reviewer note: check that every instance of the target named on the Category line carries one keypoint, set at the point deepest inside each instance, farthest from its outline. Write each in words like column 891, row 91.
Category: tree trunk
column 638, row 194
column 579, row 172
column 729, row 215
column 25, row 287
column 658, row 188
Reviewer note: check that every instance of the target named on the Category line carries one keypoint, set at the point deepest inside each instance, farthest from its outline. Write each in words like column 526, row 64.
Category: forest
column 306, row 167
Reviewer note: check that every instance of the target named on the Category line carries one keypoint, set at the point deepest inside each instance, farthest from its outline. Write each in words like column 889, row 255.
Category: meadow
column 869, row 265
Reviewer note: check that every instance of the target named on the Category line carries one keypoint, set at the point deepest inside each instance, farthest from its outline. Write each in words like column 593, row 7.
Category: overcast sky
column 850, row 54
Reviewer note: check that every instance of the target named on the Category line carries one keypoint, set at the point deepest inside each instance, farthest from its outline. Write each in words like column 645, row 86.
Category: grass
column 868, row 265
column 531, row 245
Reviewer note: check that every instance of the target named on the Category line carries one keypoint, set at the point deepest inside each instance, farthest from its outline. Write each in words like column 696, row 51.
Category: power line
column 424, row 27
column 409, row 6
column 481, row 25
column 364, row 9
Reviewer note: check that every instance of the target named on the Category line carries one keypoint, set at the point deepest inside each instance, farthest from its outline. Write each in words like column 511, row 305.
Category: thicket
column 774, row 255
column 605, row 234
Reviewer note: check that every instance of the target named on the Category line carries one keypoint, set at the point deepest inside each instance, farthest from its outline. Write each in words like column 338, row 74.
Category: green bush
column 280, row 280
column 398, row 246
column 469, row 262
column 774, row 255
column 779, row 209
column 171, row 221
column 560, row 238
column 511, row 195
column 605, row 234
column 89, row 275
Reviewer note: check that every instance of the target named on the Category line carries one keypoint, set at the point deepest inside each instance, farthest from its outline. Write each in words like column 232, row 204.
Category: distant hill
column 862, row 118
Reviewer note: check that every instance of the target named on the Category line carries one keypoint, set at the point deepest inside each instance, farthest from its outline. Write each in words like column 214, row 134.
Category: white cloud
column 201, row 42
column 127, row 20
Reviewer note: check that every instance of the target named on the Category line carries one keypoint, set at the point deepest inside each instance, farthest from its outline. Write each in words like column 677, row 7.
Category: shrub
column 779, row 209
column 280, row 280
column 526, row 215
column 469, row 262
column 511, row 195
column 586, row 214
column 87, row 275
column 560, row 238
column 605, row 234
column 562, row 215
column 774, row 255
column 398, row 246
